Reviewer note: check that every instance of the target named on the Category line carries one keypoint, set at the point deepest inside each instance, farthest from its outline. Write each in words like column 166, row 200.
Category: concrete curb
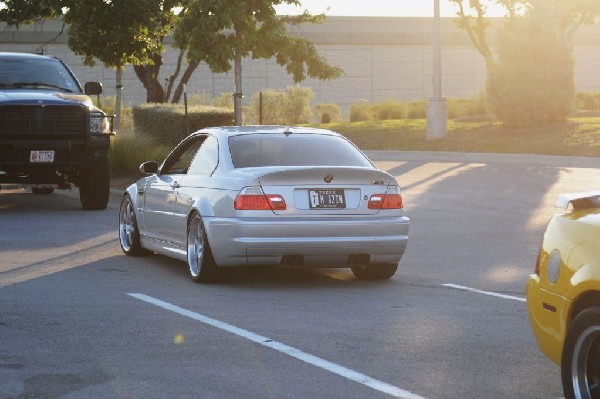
column 488, row 158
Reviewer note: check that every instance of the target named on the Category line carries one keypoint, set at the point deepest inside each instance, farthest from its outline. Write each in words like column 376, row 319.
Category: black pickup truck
column 51, row 135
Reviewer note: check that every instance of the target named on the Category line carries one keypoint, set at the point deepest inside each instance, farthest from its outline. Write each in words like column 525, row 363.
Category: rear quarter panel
column 551, row 304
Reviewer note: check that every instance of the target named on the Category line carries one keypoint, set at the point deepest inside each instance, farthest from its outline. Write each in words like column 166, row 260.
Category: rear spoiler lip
column 588, row 199
column 331, row 170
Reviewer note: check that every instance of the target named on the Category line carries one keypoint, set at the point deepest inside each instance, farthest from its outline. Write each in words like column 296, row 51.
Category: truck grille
column 43, row 120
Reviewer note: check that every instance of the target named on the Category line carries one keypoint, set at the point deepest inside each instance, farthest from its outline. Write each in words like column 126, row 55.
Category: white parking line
column 460, row 287
column 288, row 350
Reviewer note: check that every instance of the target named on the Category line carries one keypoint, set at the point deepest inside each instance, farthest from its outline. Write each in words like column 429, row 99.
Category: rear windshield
column 298, row 149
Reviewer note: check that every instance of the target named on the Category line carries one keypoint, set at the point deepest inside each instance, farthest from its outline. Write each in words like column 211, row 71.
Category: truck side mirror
column 92, row 88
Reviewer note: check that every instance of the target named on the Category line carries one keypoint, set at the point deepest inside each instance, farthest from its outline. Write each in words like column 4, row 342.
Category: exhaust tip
column 359, row 259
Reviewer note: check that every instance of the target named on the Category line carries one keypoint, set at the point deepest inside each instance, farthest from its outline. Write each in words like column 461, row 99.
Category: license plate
column 41, row 156
column 322, row 199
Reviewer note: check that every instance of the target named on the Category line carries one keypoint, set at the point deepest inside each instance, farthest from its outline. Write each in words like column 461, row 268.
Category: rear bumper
column 70, row 157
column 322, row 243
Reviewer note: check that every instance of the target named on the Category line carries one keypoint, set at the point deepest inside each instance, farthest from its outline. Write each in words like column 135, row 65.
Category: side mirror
column 149, row 167
column 92, row 88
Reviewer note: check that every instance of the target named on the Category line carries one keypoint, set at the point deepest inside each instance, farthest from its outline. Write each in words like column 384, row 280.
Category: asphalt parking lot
column 81, row 320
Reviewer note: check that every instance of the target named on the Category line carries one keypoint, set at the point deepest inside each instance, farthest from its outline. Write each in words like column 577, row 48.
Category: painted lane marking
column 288, row 350
column 495, row 294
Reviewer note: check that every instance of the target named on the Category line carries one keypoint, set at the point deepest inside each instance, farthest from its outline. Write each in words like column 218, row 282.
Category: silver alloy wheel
column 195, row 249
column 585, row 367
column 127, row 225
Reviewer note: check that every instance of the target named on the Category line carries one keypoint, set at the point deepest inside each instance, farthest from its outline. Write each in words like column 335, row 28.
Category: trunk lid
column 319, row 191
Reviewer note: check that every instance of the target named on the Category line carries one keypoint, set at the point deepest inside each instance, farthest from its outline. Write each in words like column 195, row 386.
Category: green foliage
column 272, row 109
column 107, row 104
column 224, row 100
column 467, row 107
column 216, row 31
column 21, row 12
column 394, row 110
column 328, row 113
column 530, row 76
column 390, row 110
column 128, row 151
column 532, row 80
column 588, row 101
column 297, row 104
column 117, row 33
column 166, row 123
column 362, row 112
column 289, row 107
column 387, row 110
column 417, row 109
column 198, row 99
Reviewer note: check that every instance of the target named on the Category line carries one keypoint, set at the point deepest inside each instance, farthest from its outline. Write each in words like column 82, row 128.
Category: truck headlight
column 101, row 124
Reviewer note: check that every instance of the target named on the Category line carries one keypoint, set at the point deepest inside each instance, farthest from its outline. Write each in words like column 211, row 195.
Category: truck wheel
column 42, row 190
column 94, row 186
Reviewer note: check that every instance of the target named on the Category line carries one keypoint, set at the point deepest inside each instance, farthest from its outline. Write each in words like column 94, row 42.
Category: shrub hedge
column 167, row 124
column 392, row 109
column 328, row 113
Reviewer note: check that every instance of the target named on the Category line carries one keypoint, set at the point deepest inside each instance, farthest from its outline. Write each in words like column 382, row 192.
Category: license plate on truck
column 46, row 156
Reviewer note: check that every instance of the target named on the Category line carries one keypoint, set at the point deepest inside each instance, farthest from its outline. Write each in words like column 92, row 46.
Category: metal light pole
column 437, row 110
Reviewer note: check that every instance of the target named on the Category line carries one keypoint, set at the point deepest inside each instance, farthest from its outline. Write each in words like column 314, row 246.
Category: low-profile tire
column 378, row 271
column 94, row 186
column 42, row 190
column 129, row 234
column 580, row 365
column 200, row 260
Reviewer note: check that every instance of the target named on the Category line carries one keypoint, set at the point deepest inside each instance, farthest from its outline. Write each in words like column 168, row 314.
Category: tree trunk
column 174, row 76
column 184, row 80
column 148, row 75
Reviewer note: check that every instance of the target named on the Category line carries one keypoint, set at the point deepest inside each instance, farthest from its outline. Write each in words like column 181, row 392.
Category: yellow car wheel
column 580, row 366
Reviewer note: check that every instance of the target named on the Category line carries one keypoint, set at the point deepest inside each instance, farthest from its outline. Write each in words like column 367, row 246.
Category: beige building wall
column 383, row 58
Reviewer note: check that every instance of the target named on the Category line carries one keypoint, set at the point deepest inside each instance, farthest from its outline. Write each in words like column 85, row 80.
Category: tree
column 116, row 32
column 223, row 32
column 22, row 12
column 530, row 73
column 531, row 82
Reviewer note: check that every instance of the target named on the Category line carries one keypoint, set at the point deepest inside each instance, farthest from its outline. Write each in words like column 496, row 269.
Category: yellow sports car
column 563, row 296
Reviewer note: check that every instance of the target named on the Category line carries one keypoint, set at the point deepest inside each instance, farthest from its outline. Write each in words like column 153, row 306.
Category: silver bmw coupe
column 266, row 195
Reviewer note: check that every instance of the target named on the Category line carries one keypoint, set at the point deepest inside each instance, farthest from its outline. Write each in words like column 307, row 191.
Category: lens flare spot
column 178, row 339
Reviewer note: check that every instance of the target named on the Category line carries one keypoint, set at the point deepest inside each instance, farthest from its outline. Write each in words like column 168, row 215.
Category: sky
column 388, row 8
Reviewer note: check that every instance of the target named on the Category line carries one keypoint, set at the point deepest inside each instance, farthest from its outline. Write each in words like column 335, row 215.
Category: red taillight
column 277, row 202
column 254, row 200
column 385, row 201
column 251, row 202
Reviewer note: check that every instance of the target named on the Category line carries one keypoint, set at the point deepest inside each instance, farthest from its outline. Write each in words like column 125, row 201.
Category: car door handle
column 175, row 185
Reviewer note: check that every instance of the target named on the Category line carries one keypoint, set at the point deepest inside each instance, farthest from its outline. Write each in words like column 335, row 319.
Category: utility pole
column 437, row 109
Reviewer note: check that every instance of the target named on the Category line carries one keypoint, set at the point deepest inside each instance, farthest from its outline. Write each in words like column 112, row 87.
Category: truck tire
column 94, row 186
